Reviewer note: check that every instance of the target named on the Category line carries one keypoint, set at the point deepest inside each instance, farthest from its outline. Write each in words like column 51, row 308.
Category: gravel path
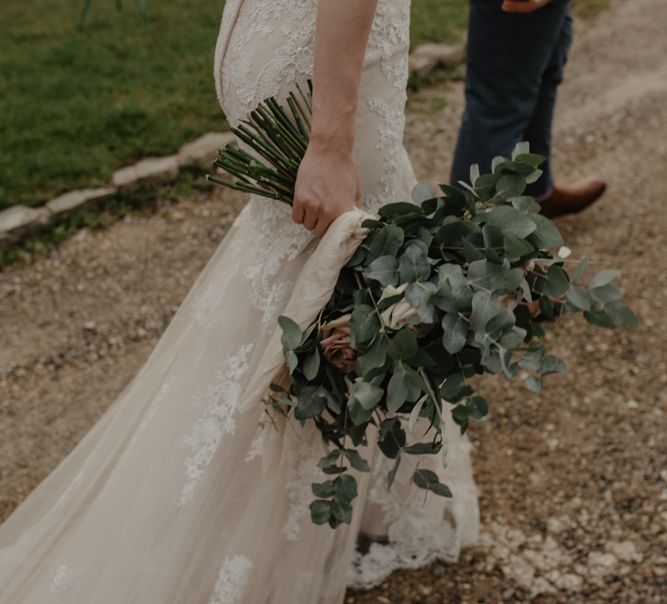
column 573, row 483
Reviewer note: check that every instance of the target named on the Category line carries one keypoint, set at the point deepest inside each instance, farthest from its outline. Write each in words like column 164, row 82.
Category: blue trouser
column 514, row 66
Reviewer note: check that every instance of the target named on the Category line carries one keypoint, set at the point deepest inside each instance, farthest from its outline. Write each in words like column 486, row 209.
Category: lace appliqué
column 413, row 540
column 304, row 450
column 220, row 402
column 278, row 240
column 390, row 36
column 233, row 578
column 244, row 81
column 256, row 447
column 389, row 145
column 66, row 586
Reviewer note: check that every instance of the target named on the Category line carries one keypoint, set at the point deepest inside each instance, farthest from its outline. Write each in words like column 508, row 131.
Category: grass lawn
column 75, row 105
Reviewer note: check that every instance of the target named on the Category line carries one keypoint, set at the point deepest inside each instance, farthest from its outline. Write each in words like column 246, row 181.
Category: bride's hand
column 327, row 185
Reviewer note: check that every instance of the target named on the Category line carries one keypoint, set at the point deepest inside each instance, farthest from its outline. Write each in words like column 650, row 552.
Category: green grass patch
column 75, row 105
column 438, row 21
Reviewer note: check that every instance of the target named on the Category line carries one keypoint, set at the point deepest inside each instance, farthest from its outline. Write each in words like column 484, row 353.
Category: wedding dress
column 183, row 493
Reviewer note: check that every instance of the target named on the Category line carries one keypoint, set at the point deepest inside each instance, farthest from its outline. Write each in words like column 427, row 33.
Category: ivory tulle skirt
column 183, row 493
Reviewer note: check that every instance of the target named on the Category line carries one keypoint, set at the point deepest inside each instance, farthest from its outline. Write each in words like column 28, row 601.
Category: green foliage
column 438, row 295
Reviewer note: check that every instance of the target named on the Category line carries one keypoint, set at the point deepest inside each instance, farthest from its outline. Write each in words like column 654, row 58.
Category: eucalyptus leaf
column 323, row 489
column 423, row 191
column 533, row 384
column 356, row 461
column 311, row 365
column 605, row 293
column 478, row 408
column 454, row 333
column 405, row 385
column 546, row 235
column 403, row 346
column 386, row 241
column 364, row 324
column 556, row 282
column 345, row 487
column 374, row 357
column 366, row 394
column 604, row 277
column 599, row 317
column 485, row 306
column 414, row 414
column 291, row 336
column 578, row 297
column 383, row 270
column 511, row 221
column 551, row 364
column 320, row 511
column 511, row 185
column 413, row 264
column 419, row 296
column 621, row 315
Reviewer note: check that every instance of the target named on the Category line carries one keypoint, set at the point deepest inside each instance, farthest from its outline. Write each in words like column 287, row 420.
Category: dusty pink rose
column 335, row 344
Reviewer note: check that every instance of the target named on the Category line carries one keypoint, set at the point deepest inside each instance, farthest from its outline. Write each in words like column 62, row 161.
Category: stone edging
column 18, row 221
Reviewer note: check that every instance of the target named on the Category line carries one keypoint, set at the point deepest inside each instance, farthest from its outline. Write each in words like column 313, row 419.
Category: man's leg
column 508, row 55
column 538, row 131
column 556, row 200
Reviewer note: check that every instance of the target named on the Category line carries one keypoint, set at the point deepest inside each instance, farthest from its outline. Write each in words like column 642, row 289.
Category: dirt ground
column 573, row 483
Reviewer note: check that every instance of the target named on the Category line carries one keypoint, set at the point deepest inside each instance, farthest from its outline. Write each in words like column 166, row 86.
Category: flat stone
column 204, row 150
column 151, row 168
column 15, row 220
column 427, row 57
column 604, row 563
column 74, row 199
column 624, row 550
column 569, row 582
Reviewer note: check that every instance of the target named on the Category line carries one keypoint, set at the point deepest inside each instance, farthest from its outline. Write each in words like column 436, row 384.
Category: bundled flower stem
column 277, row 136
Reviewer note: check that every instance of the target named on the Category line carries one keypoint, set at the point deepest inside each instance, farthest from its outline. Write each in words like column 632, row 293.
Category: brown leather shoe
column 572, row 198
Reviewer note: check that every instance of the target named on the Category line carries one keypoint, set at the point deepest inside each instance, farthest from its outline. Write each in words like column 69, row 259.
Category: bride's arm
column 328, row 183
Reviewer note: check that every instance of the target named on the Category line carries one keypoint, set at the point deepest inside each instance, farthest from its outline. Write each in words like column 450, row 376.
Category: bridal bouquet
column 454, row 284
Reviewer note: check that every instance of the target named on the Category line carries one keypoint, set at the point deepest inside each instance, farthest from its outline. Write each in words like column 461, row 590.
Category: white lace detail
column 220, row 401
column 66, row 586
column 277, row 240
column 389, row 146
column 303, row 453
column 256, row 446
column 233, row 578
column 417, row 537
column 390, row 35
column 245, row 82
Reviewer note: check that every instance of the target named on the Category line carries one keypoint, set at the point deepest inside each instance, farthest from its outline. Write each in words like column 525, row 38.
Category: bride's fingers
column 310, row 219
column 297, row 212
